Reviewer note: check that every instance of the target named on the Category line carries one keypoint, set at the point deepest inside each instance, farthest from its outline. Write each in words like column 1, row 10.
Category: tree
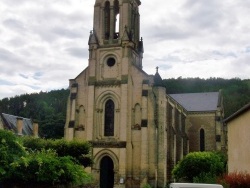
column 59, row 164
column 197, row 164
column 10, row 150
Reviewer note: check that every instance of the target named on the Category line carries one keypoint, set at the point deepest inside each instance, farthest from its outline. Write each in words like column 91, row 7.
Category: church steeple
column 113, row 17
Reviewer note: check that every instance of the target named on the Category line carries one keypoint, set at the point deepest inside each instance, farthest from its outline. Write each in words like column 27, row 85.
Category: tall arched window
column 109, row 118
column 117, row 19
column 107, row 20
column 202, row 140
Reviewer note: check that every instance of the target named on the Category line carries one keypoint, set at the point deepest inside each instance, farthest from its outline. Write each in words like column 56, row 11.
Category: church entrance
column 106, row 173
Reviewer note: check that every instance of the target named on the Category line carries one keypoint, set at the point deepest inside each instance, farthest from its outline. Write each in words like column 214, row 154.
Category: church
column 137, row 131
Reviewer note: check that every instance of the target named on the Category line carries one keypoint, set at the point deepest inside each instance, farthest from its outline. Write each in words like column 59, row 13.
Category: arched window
column 107, row 20
column 109, row 118
column 202, row 140
column 117, row 19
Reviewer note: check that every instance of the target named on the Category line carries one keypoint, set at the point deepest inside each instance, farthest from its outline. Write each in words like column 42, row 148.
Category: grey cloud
column 68, row 33
column 167, row 32
column 77, row 52
column 13, row 24
column 7, row 56
column 24, row 76
column 203, row 14
column 37, row 75
column 6, row 82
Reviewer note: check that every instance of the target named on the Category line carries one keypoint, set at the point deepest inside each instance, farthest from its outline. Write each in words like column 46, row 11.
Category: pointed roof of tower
column 157, row 78
column 92, row 38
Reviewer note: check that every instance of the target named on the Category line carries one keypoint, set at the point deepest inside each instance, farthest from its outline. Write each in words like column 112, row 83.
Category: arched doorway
column 106, row 173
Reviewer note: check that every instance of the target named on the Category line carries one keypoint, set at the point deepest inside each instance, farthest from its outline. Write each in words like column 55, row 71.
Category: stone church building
column 138, row 132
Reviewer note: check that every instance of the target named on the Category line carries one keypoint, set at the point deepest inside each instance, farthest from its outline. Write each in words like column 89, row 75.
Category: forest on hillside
column 49, row 108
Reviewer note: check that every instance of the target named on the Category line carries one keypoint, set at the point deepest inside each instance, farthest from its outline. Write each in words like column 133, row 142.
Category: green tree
column 10, row 150
column 199, row 164
column 45, row 168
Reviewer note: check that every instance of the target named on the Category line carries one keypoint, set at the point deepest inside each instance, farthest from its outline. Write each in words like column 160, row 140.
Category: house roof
column 10, row 123
column 238, row 113
column 198, row 102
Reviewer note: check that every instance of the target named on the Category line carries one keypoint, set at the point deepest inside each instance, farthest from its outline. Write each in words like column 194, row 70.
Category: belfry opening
column 112, row 20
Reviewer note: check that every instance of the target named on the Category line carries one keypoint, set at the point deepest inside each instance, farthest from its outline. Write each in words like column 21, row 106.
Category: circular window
column 111, row 62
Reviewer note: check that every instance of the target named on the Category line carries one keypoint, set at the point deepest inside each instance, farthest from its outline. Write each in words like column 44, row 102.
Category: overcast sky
column 43, row 43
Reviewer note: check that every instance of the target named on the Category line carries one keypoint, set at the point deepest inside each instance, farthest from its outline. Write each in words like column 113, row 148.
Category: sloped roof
column 238, row 113
column 10, row 123
column 198, row 102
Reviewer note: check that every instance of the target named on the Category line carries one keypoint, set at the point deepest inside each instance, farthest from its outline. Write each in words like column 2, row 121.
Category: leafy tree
column 10, row 150
column 199, row 164
column 79, row 150
column 45, row 168
column 41, row 167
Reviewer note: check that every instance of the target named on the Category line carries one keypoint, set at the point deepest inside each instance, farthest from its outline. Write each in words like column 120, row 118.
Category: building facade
column 138, row 133
column 204, row 126
column 238, row 130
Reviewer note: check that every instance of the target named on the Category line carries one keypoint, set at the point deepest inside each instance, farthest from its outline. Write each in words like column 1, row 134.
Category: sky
column 44, row 43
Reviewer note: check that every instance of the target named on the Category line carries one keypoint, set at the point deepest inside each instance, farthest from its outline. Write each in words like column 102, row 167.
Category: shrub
column 46, row 168
column 199, row 165
column 10, row 150
column 236, row 180
column 79, row 150
column 41, row 167
column 205, row 178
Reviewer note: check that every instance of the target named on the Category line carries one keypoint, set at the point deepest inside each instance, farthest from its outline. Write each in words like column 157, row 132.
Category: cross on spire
column 157, row 68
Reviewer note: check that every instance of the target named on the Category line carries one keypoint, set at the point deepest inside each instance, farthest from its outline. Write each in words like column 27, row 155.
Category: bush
column 236, row 180
column 76, row 149
column 46, row 168
column 205, row 178
column 10, row 150
column 41, row 167
column 199, row 165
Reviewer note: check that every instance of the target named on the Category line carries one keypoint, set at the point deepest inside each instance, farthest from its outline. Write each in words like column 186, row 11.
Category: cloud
column 45, row 42
column 77, row 52
column 8, row 56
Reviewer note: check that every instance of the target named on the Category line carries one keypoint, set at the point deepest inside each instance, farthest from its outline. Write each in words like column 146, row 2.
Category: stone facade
column 238, row 140
column 138, row 132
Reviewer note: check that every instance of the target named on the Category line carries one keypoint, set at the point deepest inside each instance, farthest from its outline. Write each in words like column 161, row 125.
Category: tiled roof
column 10, row 123
column 198, row 102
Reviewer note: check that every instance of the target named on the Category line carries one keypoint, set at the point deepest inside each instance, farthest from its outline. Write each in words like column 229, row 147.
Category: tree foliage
column 40, row 167
column 48, row 108
column 198, row 164
column 10, row 150
column 236, row 92
column 46, row 168
column 79, row 150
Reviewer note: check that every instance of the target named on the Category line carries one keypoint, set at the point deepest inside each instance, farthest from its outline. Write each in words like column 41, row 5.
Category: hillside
column 49, row 108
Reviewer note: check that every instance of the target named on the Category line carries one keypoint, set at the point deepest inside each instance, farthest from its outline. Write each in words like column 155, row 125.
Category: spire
column 157, row 78
column 92, row 38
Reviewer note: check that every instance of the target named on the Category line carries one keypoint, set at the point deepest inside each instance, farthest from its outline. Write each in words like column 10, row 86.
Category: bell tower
column 117, row 24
